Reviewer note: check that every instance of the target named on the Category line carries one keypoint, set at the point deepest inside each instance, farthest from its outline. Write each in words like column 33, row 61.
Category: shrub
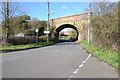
column 52, row 38
column 73, row 39
column 29, row 33
column 105, row 25
column 44, row 37
column 24, row 40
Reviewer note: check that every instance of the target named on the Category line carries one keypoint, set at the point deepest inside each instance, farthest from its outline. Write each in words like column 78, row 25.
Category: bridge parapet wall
column 71, row 18
column 79, row 21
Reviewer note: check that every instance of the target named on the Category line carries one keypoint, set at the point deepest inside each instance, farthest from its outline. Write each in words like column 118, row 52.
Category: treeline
column 24, row 24
column 13, row 22
column 18, row 28
column 105, row 25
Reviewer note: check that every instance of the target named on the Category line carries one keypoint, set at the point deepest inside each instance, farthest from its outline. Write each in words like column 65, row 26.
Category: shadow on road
column 65, row 40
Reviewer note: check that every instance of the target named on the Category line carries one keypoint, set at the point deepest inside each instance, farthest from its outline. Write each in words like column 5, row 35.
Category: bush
column 105, row 25
column 24, row 40
column 73, row 39
column 44, row 37
column 29, row 33
column 52, row 38
column 105, row 35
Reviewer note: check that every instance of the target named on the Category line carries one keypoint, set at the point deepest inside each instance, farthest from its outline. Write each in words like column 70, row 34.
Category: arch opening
column 62, row 27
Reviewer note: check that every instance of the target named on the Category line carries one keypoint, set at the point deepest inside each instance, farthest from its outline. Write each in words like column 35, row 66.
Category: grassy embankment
column 17, row 47
column 111, row 57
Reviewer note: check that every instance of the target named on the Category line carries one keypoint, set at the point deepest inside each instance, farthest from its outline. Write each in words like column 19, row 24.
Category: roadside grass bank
column 18, row 47
column 111, row 57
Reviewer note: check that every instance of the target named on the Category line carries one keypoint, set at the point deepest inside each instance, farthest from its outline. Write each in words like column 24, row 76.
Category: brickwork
column 79, row 21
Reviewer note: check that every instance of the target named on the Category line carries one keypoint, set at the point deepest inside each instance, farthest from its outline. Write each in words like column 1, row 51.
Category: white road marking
column 81, row 65
column 83, row 62
column 76, row 71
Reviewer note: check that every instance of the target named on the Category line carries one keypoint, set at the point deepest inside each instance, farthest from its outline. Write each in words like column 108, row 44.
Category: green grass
column 69, row 37
column 64, row 37
column 111, row 57
column 16, row 47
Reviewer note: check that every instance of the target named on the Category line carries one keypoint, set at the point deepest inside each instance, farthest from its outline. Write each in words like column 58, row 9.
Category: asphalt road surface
column 62, row 60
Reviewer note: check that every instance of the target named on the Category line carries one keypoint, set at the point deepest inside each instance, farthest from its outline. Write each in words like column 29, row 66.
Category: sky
column 57, row 9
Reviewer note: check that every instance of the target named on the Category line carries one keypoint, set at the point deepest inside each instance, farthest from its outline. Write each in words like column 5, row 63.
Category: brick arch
column 79, row 21
column 63, row 26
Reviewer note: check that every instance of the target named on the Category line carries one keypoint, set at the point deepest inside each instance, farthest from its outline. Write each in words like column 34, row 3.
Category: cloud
column 64, row 7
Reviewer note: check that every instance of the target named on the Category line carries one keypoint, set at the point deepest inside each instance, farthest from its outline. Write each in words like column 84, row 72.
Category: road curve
column 62, row 60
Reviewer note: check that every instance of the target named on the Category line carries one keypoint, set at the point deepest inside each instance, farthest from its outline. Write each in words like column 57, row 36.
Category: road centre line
column 80, row 66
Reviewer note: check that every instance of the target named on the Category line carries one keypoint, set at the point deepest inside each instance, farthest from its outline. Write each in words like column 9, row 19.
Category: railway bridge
column 77, row 22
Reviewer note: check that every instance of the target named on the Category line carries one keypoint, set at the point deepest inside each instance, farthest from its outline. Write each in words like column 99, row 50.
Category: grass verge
column 111, row 57
column 17, row 47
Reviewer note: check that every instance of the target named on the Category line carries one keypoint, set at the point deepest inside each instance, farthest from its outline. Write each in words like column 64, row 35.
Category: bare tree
column 7, row 11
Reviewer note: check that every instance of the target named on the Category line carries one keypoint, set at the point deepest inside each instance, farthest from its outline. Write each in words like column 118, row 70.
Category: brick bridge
column 77, row 22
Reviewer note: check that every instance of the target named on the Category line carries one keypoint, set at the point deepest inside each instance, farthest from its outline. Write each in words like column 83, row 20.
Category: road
column 62, row 60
